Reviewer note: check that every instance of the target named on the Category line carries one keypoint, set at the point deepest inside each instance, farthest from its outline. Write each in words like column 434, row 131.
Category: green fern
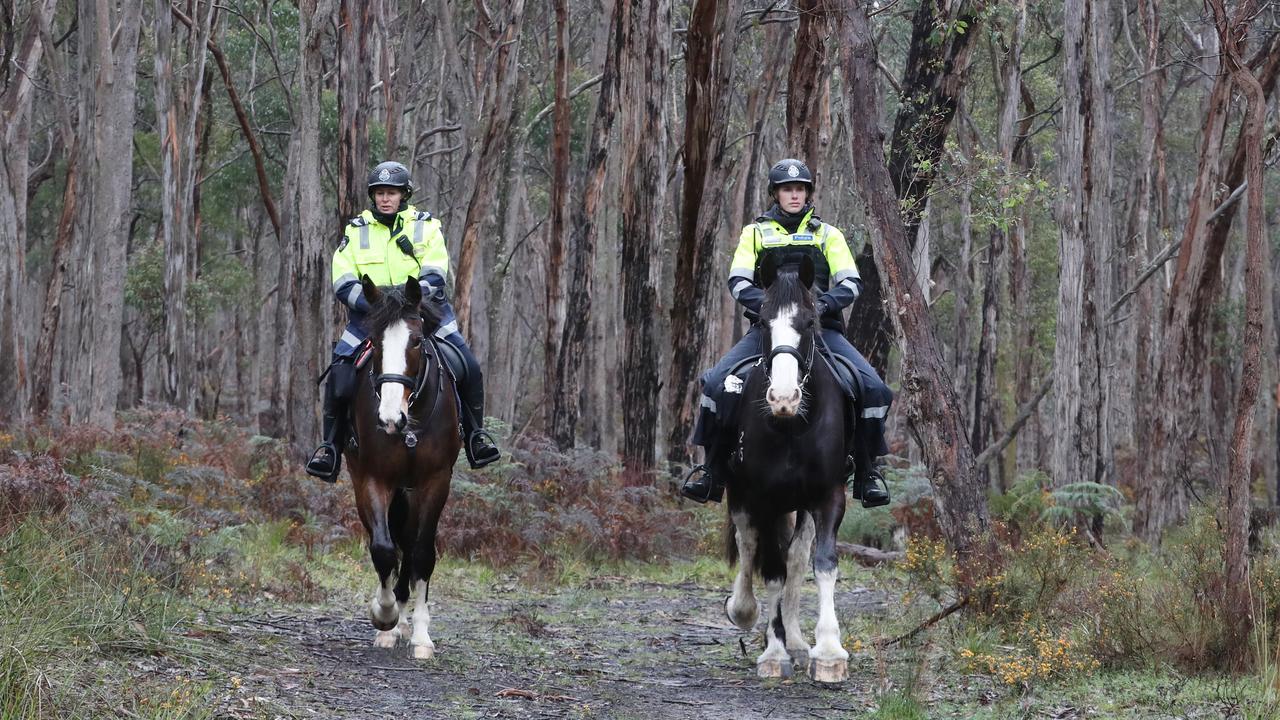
column 1091, row 499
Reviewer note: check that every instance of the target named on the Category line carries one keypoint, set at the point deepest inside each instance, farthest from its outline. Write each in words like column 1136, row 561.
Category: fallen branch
column 1024, row 415
column 868, row 556
column 933, row 619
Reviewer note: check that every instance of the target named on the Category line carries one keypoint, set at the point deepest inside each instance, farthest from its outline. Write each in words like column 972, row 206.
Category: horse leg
column 797, row 564
column 829, row 662
column 401, row 520
column 774, row 661
column 424, row 564
column 741, row 606
column 384, row 611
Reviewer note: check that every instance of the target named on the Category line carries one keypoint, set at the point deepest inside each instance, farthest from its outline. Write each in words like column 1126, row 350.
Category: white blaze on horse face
column 783, row 394
column 395, row 345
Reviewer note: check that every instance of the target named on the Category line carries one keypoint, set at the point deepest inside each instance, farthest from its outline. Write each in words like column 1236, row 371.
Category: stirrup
column 318, row 467
column 479, row 461
column 693, row 488
column 872, row 490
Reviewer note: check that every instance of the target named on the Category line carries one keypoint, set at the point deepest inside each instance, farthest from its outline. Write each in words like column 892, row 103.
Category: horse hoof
column 799, row 655
column 774, row 668
column 424, row 652
column 385, row 639
column 829, row 671
column 746, row 619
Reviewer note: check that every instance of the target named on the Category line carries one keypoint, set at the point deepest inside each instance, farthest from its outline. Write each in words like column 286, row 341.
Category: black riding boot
column 702, row 484
column 327, row 459
column 478, row 443
column 868, row 484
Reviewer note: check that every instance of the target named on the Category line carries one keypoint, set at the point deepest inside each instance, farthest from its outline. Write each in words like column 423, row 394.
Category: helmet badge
column 793, row 171
column 384, row 175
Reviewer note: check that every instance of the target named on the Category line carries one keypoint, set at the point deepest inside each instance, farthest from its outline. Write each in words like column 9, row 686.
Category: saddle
column 843, row 370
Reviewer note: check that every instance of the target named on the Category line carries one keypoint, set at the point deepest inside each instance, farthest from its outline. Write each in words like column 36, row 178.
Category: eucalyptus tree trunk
column 179, row 102
column 568, row 402
column 1175, row 420
column 1237, row 504
column 935, row 75
column 644, row 200
column 809, row 88
column 1080, row 443
column 986, row 425
column 932, row 407
column 108, row 87
column 305, row 306
column 355, row 75
column 553, row 385
column 709, row 69
column 497, row 106
column 16, row 91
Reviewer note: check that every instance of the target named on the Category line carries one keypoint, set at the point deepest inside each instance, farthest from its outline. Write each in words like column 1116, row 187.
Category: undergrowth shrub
column 540, row 503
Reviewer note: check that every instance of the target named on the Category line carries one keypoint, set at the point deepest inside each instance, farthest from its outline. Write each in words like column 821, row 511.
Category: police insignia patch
column 793, row 171
column 343, row 245
column 384, row 175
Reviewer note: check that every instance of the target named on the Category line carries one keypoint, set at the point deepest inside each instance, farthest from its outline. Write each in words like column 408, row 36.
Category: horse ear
column 806, row 271
column 371, row 291
column 768, row 271
column 413, row 291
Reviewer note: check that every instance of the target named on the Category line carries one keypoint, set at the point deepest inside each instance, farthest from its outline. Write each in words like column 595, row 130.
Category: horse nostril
column 401, row 421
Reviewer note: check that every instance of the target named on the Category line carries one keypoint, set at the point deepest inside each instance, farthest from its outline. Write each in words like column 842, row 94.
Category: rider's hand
column 821, row 307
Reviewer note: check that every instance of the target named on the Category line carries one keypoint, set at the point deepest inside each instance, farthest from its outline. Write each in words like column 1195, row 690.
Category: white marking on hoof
column 424, row 652
column 384, row 611
column 829, row 671
column 386, row 638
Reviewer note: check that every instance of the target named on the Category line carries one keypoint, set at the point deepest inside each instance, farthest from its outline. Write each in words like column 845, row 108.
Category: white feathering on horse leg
column 797, row 566
column 395, row 343
column 774, row 661
column 421, row 644
column 829, row 660
column 384, row 611
column 741, row 607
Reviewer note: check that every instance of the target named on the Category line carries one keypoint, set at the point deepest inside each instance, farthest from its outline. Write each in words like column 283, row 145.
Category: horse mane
column 394, row 306
column 786, row 290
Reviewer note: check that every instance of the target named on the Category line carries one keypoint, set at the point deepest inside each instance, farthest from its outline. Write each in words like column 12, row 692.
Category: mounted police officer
column 789, row 230
column 388, row 242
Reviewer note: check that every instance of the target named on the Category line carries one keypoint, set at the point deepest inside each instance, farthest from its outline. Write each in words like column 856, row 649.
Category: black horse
column 786, row 480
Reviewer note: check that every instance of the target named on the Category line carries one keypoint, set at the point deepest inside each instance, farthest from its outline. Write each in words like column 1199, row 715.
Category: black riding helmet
column 391, row 174
column 789, row 171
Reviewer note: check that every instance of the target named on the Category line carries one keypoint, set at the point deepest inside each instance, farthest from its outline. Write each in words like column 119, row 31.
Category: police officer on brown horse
column 388, row 242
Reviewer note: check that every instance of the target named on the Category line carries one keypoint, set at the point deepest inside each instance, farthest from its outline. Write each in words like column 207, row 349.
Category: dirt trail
column 617, row 650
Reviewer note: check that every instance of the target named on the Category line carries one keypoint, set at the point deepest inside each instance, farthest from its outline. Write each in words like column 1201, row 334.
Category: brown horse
column 406, row 422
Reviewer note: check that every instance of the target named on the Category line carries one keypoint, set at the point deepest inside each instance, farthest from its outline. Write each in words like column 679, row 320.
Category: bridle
column 415, row 385
column 806, row 362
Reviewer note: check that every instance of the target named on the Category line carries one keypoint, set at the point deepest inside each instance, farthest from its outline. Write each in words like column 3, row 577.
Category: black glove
column 821, row 307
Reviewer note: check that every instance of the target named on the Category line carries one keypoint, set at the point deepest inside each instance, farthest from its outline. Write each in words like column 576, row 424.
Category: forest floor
column 191, row 575
column 653, row 644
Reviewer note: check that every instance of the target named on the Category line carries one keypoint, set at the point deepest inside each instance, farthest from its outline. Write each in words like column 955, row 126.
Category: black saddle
column 845, row 373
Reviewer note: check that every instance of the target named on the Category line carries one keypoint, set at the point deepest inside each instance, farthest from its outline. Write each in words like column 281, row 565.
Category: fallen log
column 868, row 556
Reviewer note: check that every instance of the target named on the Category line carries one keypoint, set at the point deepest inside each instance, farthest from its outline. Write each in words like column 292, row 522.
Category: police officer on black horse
column 789, row 230
column 389, row 242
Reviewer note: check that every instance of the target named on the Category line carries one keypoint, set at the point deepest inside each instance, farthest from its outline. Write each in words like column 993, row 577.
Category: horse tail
column 730, row 537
